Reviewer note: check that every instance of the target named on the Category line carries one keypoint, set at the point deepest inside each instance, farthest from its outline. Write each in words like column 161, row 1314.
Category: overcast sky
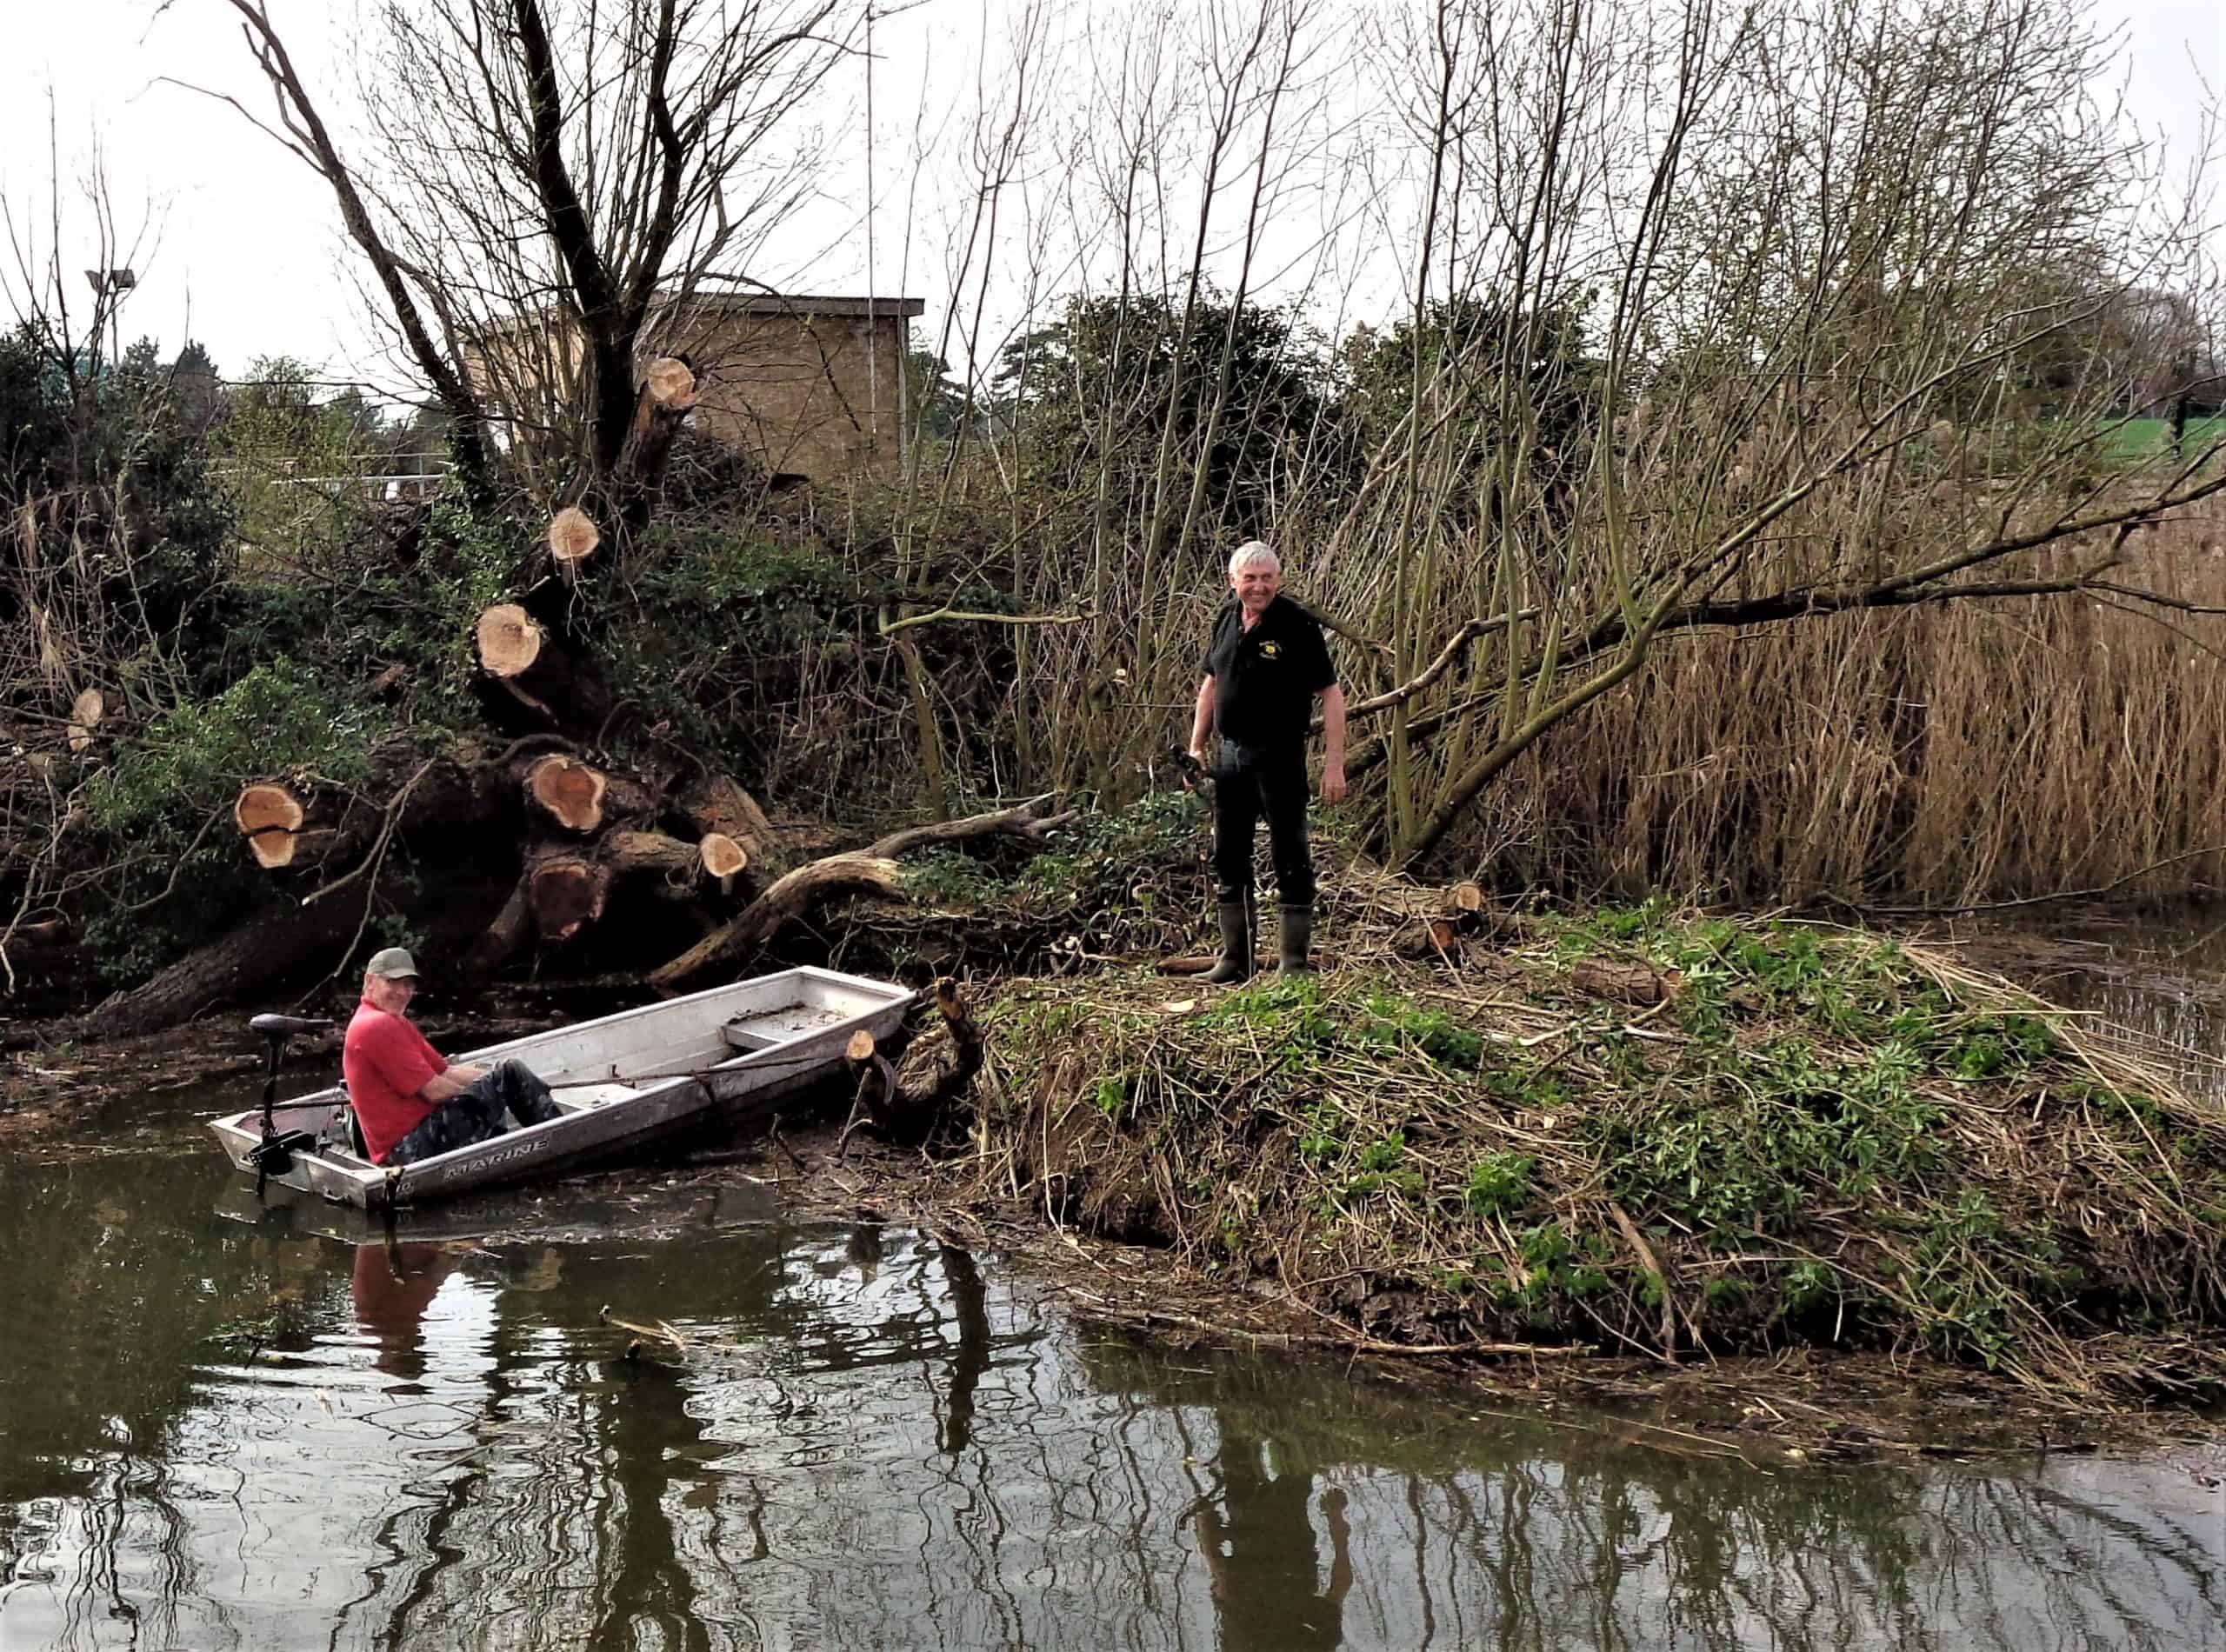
column 242, row 246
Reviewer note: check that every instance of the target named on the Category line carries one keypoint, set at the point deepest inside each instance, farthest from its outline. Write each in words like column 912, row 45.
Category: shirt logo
column 1271, row 651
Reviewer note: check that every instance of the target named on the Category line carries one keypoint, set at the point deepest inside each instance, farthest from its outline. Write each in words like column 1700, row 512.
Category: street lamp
column 107, row 283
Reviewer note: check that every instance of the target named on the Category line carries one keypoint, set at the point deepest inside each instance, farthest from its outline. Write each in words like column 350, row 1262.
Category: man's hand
column 1333, row 781
column 448, row 1085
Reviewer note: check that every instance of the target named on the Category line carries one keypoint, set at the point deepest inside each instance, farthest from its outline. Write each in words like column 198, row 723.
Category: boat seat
column 741, row 1036
column 344, row 1128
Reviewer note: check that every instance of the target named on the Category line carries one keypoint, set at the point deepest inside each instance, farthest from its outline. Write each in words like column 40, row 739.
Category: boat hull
column 623, row 1082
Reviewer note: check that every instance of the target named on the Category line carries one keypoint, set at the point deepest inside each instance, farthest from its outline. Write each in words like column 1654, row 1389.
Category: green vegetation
column 1820, row 1137
column 2143, row 438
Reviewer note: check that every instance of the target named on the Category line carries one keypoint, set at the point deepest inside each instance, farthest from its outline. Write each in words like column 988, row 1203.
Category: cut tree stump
column 908, row 1102
column 536, row 670
column 85, row 714
column 269, row 816
column 568, row 791
column 572, row 538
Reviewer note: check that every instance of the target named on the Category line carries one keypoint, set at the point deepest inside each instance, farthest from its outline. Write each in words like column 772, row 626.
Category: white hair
column 1254, row 551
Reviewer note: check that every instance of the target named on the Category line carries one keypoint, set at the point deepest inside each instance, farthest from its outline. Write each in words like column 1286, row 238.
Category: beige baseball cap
column 394, row 965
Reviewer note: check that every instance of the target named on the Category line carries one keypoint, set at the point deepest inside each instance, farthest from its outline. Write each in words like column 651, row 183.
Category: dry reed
column 1975, row 751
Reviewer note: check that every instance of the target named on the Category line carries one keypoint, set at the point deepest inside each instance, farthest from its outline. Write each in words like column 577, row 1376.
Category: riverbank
column 1728, row 1165
column 1773, row 1183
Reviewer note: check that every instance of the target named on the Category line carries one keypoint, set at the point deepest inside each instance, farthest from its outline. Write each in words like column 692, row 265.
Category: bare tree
column 549, row 185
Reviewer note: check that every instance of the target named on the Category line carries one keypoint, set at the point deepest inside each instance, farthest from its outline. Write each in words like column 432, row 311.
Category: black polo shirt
column 1265, row 679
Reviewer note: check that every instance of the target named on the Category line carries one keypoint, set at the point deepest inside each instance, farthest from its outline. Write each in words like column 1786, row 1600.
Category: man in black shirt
column 1265, row 668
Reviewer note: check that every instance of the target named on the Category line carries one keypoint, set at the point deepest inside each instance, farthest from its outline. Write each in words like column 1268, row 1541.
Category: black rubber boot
column 1297, row 937
column 1236, row 942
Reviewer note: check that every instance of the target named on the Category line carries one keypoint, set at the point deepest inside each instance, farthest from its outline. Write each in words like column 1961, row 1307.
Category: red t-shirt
column 386, row 1062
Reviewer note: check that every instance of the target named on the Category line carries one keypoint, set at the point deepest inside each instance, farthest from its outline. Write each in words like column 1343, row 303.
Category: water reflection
column 391, row 1286
column 2157, row 974
column 251, row 1436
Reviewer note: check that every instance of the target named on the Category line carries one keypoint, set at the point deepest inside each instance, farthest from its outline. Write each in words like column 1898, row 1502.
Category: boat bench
column 740, row 1034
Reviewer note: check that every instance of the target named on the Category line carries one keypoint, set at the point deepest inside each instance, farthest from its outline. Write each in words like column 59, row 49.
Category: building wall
column 815, row 396
column 805, row 394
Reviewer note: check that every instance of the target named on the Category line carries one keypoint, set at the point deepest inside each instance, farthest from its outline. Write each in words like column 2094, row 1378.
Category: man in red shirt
column 410, row 1103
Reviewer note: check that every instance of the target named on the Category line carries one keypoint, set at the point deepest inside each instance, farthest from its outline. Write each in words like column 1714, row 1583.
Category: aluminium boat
column 622, row 1082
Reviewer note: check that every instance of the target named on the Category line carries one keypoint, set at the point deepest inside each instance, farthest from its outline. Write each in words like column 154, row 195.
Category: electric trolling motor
column 274, row 1155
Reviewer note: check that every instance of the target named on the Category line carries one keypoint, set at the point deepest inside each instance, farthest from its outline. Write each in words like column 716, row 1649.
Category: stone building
column 807, row 384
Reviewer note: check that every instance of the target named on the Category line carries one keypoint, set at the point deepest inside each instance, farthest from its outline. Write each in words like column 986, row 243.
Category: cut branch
column 789, row 897
column 269, row 816
column 535, row 669
column 572, row 539
column 85, row 714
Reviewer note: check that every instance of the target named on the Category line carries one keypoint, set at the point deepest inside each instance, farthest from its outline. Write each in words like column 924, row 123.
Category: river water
column 223, row 1426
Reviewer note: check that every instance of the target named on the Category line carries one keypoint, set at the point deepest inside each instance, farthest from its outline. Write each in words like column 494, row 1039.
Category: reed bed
column 1973, row 752
column 1811, row 1137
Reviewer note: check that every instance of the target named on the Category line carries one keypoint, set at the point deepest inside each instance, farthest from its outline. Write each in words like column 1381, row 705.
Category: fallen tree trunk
column 874, row 868
column 566, row 892
column 271, row 944
column 789, row 896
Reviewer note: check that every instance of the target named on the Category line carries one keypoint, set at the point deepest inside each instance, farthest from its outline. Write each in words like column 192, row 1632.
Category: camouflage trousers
column 477, row 1114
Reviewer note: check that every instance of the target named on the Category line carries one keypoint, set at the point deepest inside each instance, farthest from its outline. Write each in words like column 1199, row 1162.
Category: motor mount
column 274, row 1154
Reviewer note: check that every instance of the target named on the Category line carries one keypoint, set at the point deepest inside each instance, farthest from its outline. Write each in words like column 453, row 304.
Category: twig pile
column 1644, row 1134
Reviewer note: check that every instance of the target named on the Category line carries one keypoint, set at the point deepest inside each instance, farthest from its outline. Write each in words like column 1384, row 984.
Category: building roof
column 804, row 304
column 801, row 305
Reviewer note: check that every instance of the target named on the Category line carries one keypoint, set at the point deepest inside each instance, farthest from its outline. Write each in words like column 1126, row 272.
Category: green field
column 2138, row 438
